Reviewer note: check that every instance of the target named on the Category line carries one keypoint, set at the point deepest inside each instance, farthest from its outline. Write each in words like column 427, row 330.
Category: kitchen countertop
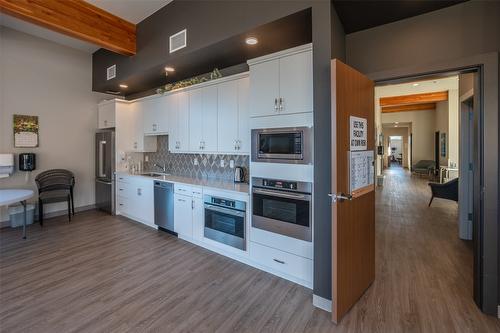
column 210, row 183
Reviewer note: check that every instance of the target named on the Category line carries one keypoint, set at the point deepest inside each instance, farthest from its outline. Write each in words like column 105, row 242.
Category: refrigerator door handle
column 102, row 159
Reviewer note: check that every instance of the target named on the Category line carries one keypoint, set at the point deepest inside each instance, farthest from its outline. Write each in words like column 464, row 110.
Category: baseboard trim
column 6, row 223
column 322, row 303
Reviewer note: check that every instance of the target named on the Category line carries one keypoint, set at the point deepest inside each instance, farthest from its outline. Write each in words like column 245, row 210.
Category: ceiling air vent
column 111, row 72
column 178, row 41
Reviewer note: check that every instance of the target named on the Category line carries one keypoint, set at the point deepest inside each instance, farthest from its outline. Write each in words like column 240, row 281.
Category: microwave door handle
column 283, row 195
column 225, row 210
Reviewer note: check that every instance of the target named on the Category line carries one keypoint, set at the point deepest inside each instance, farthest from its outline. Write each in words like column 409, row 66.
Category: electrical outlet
column 222, row 163
column 195, row 161
column 146, row 158
column 231, row 164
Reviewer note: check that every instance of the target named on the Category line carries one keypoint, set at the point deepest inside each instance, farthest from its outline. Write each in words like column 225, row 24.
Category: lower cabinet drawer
column 183, row 189
column 125, row 190
column 122, row 205
column 284, row 262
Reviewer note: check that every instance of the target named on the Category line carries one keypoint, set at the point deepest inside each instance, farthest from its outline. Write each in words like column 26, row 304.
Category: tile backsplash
column 209, row 165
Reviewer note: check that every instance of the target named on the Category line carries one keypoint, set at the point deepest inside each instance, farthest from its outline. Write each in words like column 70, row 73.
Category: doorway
column 444, row 151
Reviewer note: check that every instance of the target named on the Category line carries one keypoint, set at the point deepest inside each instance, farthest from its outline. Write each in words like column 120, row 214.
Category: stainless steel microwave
column 282, row 145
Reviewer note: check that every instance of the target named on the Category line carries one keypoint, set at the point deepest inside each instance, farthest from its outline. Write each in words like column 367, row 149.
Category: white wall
column 52, row 81
column 422, row 127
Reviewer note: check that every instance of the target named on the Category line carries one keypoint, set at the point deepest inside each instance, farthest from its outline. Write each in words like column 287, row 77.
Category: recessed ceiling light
column 169, row 69
column 124, row 86
column 416, row 84
column 395, row 125
column 251, row 40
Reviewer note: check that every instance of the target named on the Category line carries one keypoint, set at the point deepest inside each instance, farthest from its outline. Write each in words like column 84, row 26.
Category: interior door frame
column 487, row 197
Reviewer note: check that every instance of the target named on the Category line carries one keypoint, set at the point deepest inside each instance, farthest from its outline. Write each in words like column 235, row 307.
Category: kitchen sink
column 155, row 174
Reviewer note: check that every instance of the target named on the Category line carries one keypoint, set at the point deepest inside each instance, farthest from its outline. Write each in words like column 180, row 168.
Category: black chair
column 55, row 186
column 447, row 190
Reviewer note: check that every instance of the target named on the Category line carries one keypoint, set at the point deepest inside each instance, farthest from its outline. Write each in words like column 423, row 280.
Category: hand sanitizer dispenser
column 6, row 165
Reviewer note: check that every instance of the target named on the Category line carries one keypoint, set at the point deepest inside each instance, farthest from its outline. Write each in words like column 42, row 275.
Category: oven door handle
column 304, row 197
column 225, row 210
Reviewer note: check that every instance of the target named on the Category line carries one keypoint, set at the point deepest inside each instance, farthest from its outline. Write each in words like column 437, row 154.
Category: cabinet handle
column 281, row 104
column 182, row 200
column 139, row 192
column 121, row 204
column 279, row 261
column 105, row 123
column 192, row 204
column 275, row 104
column 154, row 127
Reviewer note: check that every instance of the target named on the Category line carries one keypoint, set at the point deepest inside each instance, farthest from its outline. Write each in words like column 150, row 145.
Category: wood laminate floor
column 107, row 274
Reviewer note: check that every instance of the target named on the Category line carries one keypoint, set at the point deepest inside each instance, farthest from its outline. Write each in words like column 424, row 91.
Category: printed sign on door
column 358, row 129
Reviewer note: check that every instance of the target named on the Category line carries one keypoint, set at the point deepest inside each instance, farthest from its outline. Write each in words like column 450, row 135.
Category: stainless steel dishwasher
column 164, row 205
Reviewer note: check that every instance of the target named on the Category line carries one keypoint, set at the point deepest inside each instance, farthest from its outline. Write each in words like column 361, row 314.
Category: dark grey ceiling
column 360, row 15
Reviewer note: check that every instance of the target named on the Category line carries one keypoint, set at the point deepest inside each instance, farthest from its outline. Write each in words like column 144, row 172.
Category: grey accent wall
column 209, row 165
column 209, row 22
column 455, row 32
column 338, row 37
column 459, row 36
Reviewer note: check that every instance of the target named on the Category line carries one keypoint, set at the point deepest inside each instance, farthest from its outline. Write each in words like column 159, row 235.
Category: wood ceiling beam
column 409, row 107
column 415, row 98
column 78, row 19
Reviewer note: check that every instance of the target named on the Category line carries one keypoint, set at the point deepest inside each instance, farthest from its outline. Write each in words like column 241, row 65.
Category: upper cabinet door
column 228, row 116
column 296, row 83
column 243, row 140
column 182, row 124
column 106, row 114
column 264, row 88
column 164, row 104
column 149, row 108
column 209, row 116
column 195, row 119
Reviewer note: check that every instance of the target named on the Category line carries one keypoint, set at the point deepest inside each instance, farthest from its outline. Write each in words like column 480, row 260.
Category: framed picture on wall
column 443, row 144
column 25, row 131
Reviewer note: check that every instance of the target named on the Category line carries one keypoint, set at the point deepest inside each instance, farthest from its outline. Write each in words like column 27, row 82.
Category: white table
column 8, row 197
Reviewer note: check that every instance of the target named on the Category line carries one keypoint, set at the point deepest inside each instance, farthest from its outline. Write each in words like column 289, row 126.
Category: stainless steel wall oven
column 283, row 207
column 225, row 221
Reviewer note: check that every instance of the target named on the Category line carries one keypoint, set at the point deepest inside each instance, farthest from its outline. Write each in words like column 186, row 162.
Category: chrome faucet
column 164, row 167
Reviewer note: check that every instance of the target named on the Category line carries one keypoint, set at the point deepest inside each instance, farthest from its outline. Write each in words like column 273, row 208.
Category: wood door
column 353, row 229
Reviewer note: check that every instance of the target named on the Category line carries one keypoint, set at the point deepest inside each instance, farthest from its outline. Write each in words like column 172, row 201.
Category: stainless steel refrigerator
column 105, row 170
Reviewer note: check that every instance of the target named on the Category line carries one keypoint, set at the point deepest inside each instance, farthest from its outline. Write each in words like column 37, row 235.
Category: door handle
column 275, row 104
column 281, row 104
column 339, row 197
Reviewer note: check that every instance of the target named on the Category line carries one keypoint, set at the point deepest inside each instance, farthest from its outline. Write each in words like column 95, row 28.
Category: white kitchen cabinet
column 183, row 215
column 296, row 83
column 135, row 199
column 282, row 83
column 228, row 116
column 139, row 142
column 233, row 118
column 178, row 137
column 244, row 116
column 106, row 114
column 203, row 119
column 198, row 218
column 155, row 113
column 195, row 120
column 264, row 83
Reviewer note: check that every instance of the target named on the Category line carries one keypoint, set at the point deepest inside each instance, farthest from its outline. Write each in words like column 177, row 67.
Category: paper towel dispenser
column 27, row 162
column 6, row 165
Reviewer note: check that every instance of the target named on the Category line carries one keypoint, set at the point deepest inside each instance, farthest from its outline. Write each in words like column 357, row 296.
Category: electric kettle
column 239, row 175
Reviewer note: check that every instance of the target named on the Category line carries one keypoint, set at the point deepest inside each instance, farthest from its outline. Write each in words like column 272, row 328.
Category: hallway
column 424, row 271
